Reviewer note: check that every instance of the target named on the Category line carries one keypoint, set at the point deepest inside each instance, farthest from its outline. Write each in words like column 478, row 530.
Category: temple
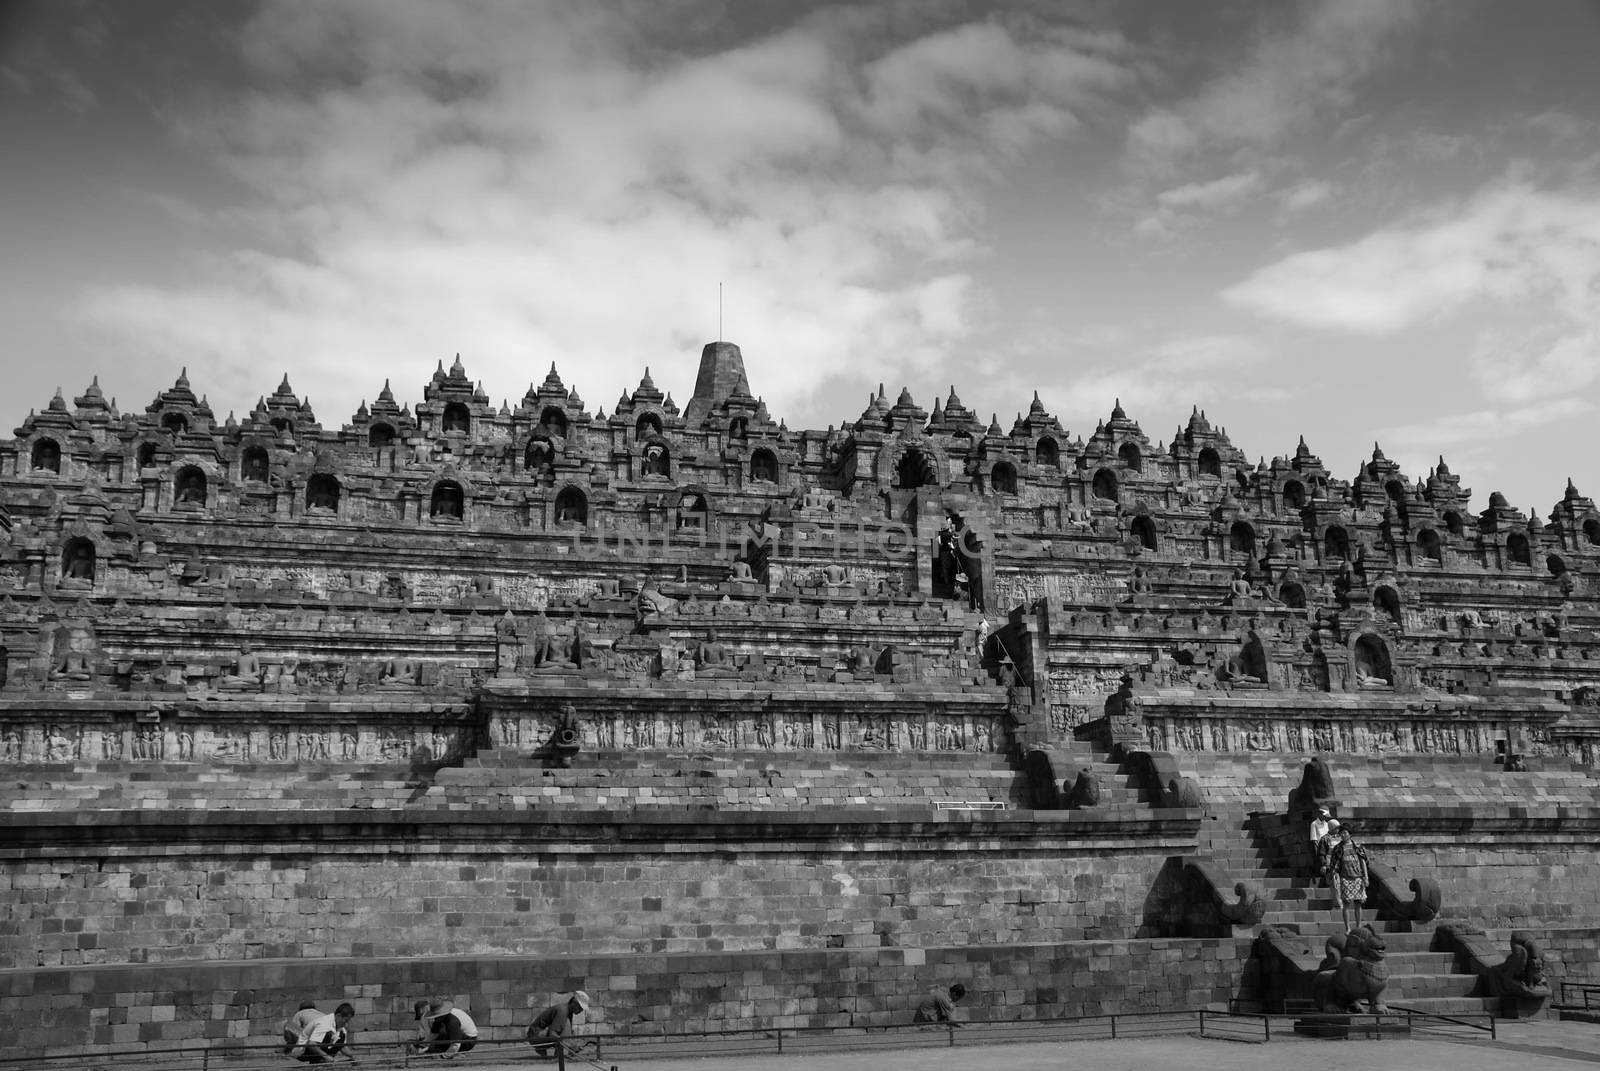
column 738, row 726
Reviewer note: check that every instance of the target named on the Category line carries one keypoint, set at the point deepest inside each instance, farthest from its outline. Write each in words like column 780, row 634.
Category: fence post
column 1266, row 1026
column 1113, row 1028
column 1202, row 1022
column 780, row 1040
column 561, row 1054
column 950, row 1029
column 1491, row 1027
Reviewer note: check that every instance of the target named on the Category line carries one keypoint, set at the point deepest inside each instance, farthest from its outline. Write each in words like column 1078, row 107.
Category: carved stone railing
column 1211, row 910
column 1517, row 979
column 1385, row 891
column 1157, row 772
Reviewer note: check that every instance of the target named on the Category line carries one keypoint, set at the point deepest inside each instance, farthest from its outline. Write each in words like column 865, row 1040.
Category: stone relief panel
column 1016, row 588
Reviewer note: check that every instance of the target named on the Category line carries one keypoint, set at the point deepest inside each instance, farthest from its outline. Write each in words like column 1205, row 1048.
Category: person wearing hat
column 556, row 1021
column 1321, row 824
column 443, row 1029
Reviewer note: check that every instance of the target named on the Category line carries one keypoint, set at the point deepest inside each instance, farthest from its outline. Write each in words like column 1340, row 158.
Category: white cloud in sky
column 1287, row 78
column 525, row 183
column 1516, row 242
column 1180, row 204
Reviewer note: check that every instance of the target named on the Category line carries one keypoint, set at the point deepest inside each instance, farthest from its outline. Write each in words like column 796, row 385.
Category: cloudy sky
column 1357, row 221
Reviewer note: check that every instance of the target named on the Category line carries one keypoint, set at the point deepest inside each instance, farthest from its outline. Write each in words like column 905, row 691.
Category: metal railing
column 1585, row 995
column 606, row 1051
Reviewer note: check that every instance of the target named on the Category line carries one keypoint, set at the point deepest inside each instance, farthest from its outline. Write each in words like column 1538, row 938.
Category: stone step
column 1456, row 1005
column 1403, row 986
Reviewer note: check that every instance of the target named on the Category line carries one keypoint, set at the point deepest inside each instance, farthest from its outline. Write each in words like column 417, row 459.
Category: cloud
column 1511, row 242
column 1306, row 195
column 1287, row 78
column 527, row 183
column 1183, row 204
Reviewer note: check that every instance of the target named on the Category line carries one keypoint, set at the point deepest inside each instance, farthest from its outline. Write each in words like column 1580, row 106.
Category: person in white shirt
column 326, row 1037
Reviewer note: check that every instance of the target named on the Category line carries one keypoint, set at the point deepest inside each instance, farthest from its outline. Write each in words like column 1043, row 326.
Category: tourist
column 1325, row 845
column 325, row 1037
column 939, row 1006
column 296, row 1024
column 1348, row 866
column 556, row 1021
column 1321, row 825
column 443, row 1029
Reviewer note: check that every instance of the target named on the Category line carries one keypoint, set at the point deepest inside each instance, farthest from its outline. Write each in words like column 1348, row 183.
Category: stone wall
column 244, row 1003
column 162, row 886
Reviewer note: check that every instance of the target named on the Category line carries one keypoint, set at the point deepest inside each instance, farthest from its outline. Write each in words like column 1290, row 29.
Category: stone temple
column 736, row 726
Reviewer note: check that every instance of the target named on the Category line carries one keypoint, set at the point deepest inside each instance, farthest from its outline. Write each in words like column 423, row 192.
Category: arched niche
column 176, row 423
column 1335, row 542
column 1294, row 494
column 1454, row 524
column 1429, row 544
column 763, row 466
column 189, row 489
column 1292, row 594
column 78, row 560
column 656, row 460
column 1591, row 532
column 1517, row 549
column 46, row 456
column 322, row 494
column 647, row 425
column 254, row 465
column 915, row 468
column 738, row 429
column 1003, row 478
column 1209, row 463
column 540, row 456
column 1371, row 661
column 1144, row 530
column 572, row 507
column 147, row 455
column 1047, row 452
column 380, row 435
column 457, row 418
column 1130, row 458
column 1386, row 601
column 692, row 510
column 1105, row 484
column 283, row 425
column 553, row 421
column 448, row 501
column 1242, row 539
column 1556, row 564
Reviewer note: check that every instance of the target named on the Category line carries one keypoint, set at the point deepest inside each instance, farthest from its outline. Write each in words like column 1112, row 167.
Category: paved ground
column 1520, row 1045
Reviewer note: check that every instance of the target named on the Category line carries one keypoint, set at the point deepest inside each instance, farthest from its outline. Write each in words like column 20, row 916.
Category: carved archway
column 656, row 459
column 1209, row 463
column 1517, row 550
column 1105, row 484
column 1047, row 452
column 1003, row 478
column 322, row 494
column 572, row 507
column 147, row 455
column 189, row 489
column 1387, row 601
column 648, row 424
column 763, row 466
column 176, row 423
column 915, row 468
column 1130, row 457
column 1294, row 494
column 1242, row 539
column 255, row 465
column 1454, row 524
column 1144, row 530
column 1429, row 544
column 540, row 455
column 46, row 456
column 380, row 435
column 457, row 418
column 553, row 421
column 78, row 559
column 1335, row 542
column 448, row 501
column 1370, row 661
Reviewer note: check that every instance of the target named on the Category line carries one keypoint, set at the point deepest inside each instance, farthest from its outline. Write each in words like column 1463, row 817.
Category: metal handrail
column 598, row 1049
column 1590, row 992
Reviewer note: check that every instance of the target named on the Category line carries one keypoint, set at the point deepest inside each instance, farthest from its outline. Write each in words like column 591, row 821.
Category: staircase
column 1420, row 978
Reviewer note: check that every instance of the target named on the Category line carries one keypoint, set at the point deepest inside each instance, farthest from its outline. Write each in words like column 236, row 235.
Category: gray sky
column 1357, row 221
